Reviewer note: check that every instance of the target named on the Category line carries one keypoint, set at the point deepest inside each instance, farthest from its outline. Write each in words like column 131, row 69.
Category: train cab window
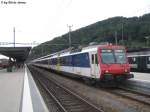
column 107, row 56
column 120, row 56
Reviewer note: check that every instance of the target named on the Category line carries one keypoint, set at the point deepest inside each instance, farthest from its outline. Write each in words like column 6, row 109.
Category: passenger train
column 4, row 63
column 96, row 63
column 139, row 61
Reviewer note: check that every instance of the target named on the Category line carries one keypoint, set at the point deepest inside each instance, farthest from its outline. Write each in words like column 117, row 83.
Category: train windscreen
column 111, row 56
column 120, row 56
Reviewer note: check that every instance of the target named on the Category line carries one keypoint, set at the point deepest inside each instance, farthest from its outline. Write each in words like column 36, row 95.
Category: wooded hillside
column 131, row 32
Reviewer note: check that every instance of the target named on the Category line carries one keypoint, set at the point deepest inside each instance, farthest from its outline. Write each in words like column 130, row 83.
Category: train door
column 142, row 63
column 148, row 62
column 76, row 64
column 133, row 62
column 94, row 65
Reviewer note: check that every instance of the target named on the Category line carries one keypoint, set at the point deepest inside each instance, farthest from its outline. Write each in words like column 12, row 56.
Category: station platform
column 141, row 76
column 19, row 92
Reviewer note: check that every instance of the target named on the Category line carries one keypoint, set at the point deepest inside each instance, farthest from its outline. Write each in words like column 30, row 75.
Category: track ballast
column 65, row 100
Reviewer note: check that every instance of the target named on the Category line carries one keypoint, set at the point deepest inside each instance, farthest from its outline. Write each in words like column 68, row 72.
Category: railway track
column 62, row 98
column 136, row 90
column 132, row 94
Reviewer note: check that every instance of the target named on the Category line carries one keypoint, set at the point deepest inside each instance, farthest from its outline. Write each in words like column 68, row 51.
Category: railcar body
column 139, row 62
column 4, row 63
column 100, row 62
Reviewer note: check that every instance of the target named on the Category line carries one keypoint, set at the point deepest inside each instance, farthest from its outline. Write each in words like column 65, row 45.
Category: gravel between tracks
column 107, row 101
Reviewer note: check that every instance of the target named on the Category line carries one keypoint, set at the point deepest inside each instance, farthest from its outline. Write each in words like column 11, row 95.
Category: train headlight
column 106, row 71
column 125, row 70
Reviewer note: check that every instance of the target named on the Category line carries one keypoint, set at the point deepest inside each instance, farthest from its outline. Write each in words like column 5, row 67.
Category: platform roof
column 18, row 53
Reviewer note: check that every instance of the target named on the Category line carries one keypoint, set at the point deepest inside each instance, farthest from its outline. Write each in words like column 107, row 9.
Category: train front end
column 113, row 63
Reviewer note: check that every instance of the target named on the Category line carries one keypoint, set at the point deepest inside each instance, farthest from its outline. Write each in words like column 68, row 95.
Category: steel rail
column 143, row 93
column 54, row 98
column 132, row 95
column 76, row 103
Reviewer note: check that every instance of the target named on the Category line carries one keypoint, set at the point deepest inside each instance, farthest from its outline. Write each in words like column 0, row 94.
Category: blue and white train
column 99, row 62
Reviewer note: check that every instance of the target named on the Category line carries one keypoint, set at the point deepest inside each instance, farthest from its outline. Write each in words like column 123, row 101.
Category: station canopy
column 18, row 53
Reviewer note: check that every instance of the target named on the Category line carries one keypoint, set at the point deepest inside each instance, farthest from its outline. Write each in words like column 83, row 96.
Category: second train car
column 139, row 61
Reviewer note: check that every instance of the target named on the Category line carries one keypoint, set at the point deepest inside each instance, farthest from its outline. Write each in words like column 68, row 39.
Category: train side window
column 96, row 60
column 134, row 59
column 92, row 58
column 76, row 60
column 148, row 58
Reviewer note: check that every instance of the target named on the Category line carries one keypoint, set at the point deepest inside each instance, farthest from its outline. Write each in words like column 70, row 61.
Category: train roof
column 71, row 51
column 131, row 50
column 85, row 49
column 140, row 53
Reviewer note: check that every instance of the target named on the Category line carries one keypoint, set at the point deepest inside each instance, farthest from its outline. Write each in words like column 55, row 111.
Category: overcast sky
column 42, row 20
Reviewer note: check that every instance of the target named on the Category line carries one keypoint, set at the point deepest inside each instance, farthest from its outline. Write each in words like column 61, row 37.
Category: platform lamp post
column 122, row 30
column 69, row 26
